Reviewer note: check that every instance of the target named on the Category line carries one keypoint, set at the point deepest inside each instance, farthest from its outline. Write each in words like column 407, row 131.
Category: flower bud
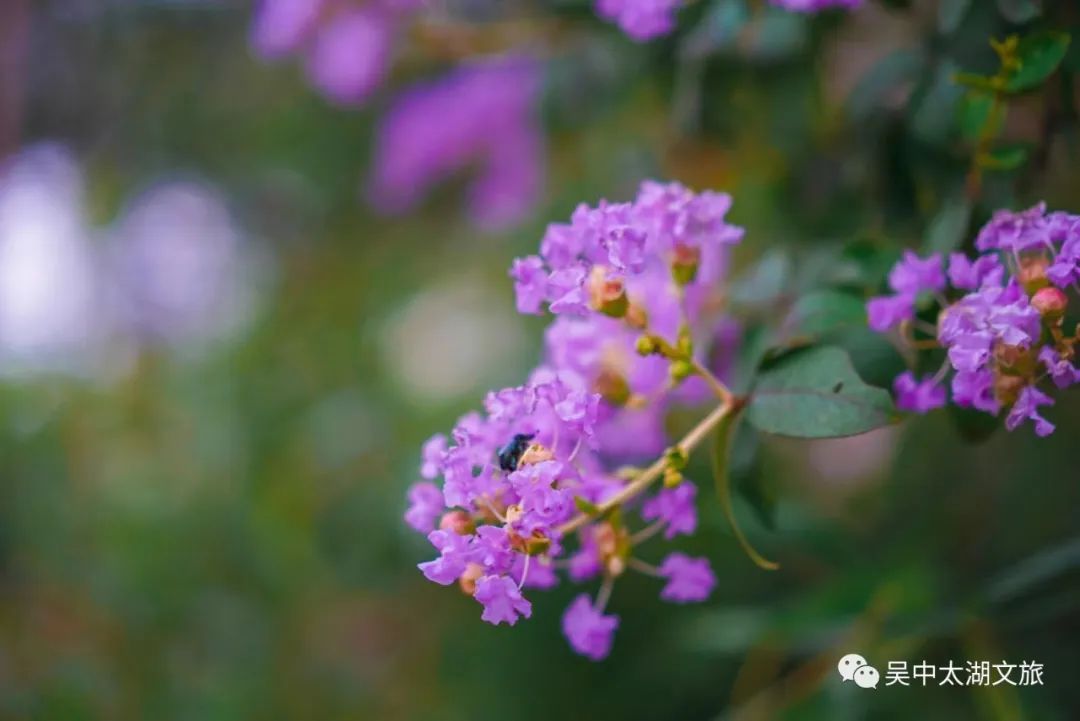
column 606, row 294
column 467, row 580
column 1032, row 273
column 646, row 345
column 672, row 477
column 615, row 566
column 684, row 264
column 613, row 387
column 459, row 522
column 1051, row 303
column 680, row 370
column 676, row 458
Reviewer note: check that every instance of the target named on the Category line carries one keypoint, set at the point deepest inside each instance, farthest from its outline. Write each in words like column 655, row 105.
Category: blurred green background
column 207, row 525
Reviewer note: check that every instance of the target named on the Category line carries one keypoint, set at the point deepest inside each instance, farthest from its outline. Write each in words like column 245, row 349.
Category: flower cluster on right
column 1002, row 318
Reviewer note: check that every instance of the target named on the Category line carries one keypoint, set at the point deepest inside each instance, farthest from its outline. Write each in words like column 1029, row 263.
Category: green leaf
column 975, row 82
column 1006, row 157
column 933, row 113
column 1039, row 56
column 876, row 360
column 763, row 282
column 721, row 459
column 947, row 229
column 816, row 393
column 823, row 312
column 976, row 116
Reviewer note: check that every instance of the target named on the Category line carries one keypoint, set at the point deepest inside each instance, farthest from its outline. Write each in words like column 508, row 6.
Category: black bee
column 510, row 454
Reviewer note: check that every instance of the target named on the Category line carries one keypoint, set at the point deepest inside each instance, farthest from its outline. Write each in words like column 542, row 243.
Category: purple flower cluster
column 482, row 115
column 346, row 45
column 531, row 485
column 1003, row 330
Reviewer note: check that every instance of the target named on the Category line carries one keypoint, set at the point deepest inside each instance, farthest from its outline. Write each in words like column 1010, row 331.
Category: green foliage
column 816, row 393
column 1037, row 57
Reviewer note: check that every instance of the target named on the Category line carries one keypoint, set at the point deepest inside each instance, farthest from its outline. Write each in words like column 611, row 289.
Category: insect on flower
column 510, row 454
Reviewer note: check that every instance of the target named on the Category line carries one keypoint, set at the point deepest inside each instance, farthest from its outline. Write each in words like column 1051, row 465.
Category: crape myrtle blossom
column 640, row 19
column 481, row 117
column 813, row 6
column 347, row 46
column 1003, row 323
column 644, row 20
column 533, row 485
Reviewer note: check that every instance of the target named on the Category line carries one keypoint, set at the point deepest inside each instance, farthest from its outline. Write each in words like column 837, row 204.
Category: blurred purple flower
column 589, row 632
column 918, row 396
column 349, row 57
column 347, row 45
column 688, row 579
column 674, row 507
column 481, row 115
column 813, row 6
column 640, row 19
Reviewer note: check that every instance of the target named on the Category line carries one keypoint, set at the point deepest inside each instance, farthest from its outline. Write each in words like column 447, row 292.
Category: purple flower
column 688, row 579
column 1065, row 270
column 640, row 19
column 813, row 6
column 973, row 274
column 631, row 247
column 1061, row 370
column 912, row 274
column 490, row 548
column 1027, row 408
column 481, row 116
column 1014, row 232
column 346, row 45
column 918, row 396
column 675, row 507
column 543, row 506
column 433, row 452
column 453, row 557
column 530, row 284
column 349, row 56
column 589, row 632
column 425, row 506
column 541, row 572
column 975, row 389
column 502, row 600
column 889, row 311
column 280, row 26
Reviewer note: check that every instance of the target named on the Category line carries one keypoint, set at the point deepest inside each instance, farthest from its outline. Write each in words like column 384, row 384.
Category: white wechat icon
column 867, row 677
column 849, row 665
column 854, row 667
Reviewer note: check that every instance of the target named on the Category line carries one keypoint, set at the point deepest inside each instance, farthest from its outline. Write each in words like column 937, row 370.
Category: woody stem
column 646, row 477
